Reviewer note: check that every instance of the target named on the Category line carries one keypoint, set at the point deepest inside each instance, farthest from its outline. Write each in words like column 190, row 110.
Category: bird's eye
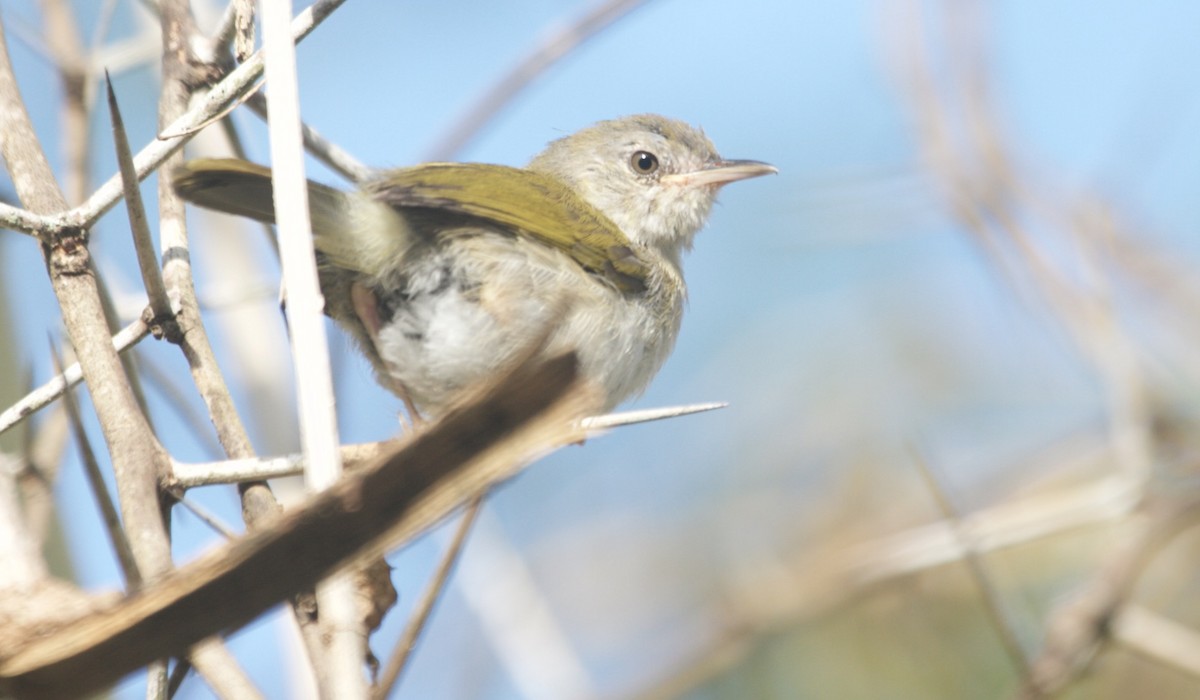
column 643, row 162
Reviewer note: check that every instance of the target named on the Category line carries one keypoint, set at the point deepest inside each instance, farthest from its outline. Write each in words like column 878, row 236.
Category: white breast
column 479, row 303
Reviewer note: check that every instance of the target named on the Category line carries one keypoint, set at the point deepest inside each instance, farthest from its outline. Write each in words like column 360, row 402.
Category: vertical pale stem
column 341, row 673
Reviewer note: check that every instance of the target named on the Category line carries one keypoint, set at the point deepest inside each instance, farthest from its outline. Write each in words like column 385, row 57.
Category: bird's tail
column 353, row 230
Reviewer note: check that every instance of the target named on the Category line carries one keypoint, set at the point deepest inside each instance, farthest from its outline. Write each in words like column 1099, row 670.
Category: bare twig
column 206, row 516
column 524, row 415
column 257, row 501
column 108, row 510
column 24, row 568
column 156, row 292
column 72, row 375
column 598, row 424
column 232, row 471
column 136, row 454
column 220, row 670
column 1158, row 638
column 420, row 615
column 993, row 601
column 994, row 202
column 43, row 221
column 66, row 46
column 25, row 221
column 339, row 669
column 337, row 158
column 1079, row 628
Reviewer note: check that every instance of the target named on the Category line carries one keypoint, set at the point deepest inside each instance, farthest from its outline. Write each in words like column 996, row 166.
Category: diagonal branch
column 526, row 414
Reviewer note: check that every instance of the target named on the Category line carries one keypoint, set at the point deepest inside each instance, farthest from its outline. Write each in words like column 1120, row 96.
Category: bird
column 448, row 273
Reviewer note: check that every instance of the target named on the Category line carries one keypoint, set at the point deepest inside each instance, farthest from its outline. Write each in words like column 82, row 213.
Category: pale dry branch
column 995, row 202
column 108, row 510
column 160, row 306
column 337, row 158
column 518, row 621
column 23, row 567
column 136, row 454
column 595, row 425
column 25, row 221
column 192, row 337
column 994, row 602
column 1079, row 628
column 526, row 414
column 187, row 475
column 339, row 668
column 233, row 471
column 45, row 221
column 206, row 516
column 424, row 607
column 220, row 670
column 137, row 457
column 65, row 44
column 237, row 28
column 72, row 375
column 1159, row 638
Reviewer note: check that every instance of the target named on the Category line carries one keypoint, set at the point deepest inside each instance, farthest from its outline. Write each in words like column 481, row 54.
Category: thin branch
column 108, row 510
column 136, row 453
column 220, row 670
column 231, row 471
column 992, row 599
column 206, row 516
column 237, row 28
column 72, row 375
column 1080, row 627
column 172, row 133
column 156, row 292
column 598, row 424
column 192, row 337
column 335, row 157
column 222, row 37
column 25, row 221
column 24, row 568
column 182, row 669
column 65, row 45
column 152, row 155
column 367, row 512
column 1158, row 638
column 420, row 615
column 137, row 456
column 339, row 669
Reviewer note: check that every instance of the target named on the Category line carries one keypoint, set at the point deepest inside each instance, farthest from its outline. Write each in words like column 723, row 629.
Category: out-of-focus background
column 956, row 334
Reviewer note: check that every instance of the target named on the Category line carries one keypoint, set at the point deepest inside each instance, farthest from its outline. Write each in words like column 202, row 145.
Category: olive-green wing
column 529, row 202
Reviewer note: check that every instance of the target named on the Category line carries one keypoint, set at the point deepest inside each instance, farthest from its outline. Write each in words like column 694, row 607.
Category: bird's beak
column 721, row 172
